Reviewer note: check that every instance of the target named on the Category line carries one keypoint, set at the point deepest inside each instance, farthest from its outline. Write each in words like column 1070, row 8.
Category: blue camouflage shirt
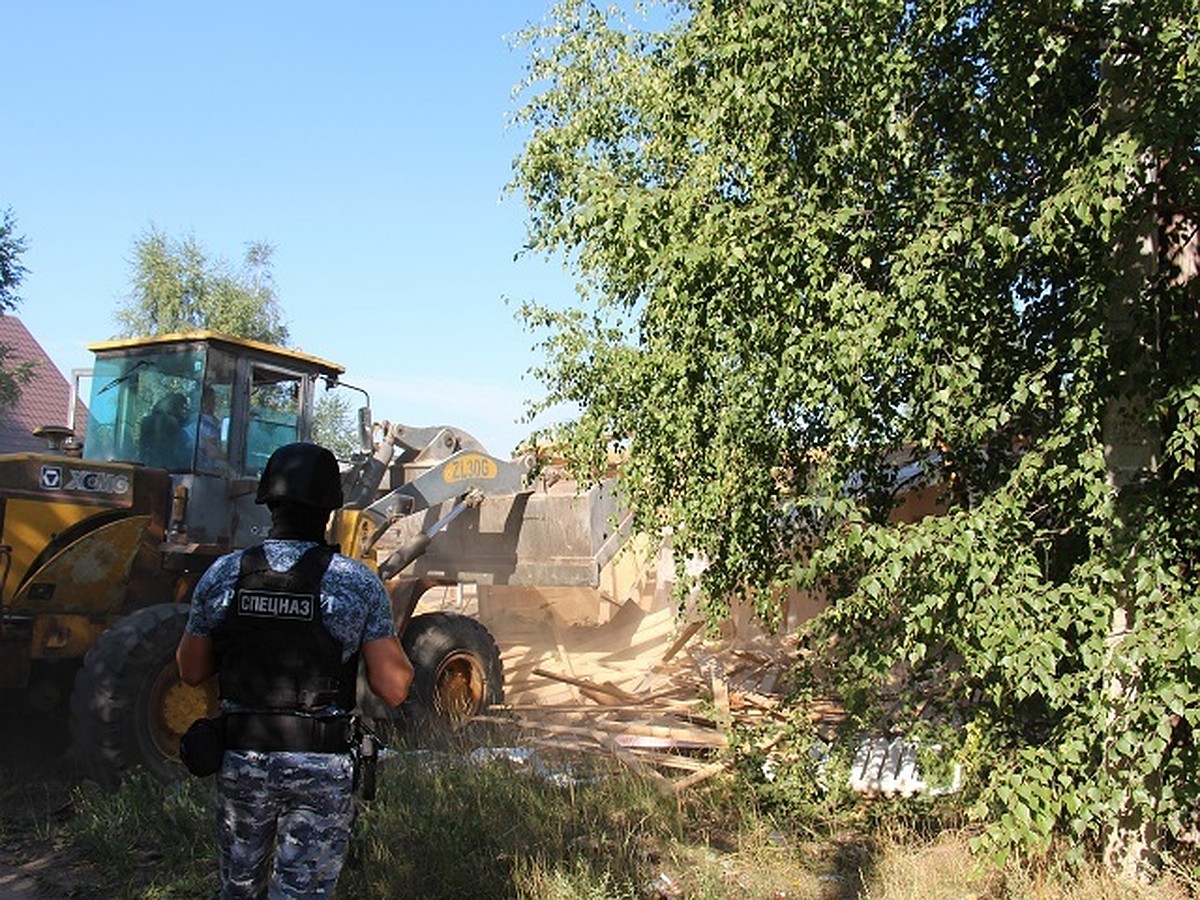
column 354, row 604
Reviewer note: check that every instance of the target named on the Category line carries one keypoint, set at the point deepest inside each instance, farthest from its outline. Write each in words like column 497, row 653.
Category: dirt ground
column 37, row 777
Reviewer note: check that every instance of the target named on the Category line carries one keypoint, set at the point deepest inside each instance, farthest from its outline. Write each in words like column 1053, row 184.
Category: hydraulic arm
column 448, row 465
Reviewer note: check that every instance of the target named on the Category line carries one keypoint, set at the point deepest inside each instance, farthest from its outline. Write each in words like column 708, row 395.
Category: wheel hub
column 459, row 688
column 179, row 705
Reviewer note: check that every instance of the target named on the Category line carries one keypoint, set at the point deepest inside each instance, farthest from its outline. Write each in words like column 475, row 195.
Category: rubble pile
column 656, row 692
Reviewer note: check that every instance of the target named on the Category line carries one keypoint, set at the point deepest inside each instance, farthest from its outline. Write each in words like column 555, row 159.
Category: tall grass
column 147, row 840
column 943, row 868
column 446, row 826
column 454, row 824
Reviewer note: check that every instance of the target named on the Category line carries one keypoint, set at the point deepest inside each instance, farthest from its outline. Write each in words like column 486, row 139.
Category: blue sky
column 368, row 142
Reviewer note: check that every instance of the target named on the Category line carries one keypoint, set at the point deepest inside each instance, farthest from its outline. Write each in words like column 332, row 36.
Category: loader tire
column 457, row 671
column 129, row 707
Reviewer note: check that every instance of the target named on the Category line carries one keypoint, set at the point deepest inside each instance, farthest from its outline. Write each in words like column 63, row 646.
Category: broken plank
column 667, row 735
column 684, row 636
column 607, row 692
column 681, row 784
column 661, row 706
column 673, row 760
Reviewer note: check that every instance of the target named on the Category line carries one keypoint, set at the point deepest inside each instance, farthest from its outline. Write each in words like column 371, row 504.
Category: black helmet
column 301, row 473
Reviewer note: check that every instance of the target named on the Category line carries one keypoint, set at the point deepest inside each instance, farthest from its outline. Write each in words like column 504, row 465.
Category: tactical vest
column 273, row 652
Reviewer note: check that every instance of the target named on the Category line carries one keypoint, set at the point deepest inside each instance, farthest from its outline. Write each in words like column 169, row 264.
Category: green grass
column 147, row 840
column 447, row 826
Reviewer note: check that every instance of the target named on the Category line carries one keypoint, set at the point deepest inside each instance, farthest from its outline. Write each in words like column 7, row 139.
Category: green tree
column 12, row 272
column 177, row 287
column 818, row 241
column 14, row 373
column 334, row 425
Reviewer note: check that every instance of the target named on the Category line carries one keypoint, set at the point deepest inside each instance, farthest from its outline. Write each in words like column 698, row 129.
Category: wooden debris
column 637, row 684
column 720, row 692
column 678, row 761
column 606, row 693
column 685, row 635
column 698, row 776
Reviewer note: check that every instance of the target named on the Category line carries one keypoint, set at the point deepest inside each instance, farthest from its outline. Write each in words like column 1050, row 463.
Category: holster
column 366, row 760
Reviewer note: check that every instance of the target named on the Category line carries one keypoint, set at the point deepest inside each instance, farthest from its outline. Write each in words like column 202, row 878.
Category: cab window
column 274, row 415
column 142, row 409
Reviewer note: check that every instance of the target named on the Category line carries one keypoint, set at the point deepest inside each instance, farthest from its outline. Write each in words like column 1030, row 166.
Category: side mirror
column 364, row 429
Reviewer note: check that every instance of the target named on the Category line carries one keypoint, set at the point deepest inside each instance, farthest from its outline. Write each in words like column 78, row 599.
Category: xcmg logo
column 83, row 480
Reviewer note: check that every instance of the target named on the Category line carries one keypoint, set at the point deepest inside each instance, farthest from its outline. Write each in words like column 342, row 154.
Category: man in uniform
column 204, row 434
column 283, row 625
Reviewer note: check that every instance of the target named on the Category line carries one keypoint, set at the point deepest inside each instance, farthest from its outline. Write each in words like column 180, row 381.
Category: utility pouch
column 202, row 746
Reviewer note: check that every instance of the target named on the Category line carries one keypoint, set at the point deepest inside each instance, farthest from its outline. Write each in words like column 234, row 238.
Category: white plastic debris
column 530, row 760
column 888, row 767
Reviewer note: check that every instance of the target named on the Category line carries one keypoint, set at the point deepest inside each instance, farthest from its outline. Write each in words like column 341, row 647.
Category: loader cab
column 209, row 409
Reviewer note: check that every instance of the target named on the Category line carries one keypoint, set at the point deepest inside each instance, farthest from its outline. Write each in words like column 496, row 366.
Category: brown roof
column 43, row 400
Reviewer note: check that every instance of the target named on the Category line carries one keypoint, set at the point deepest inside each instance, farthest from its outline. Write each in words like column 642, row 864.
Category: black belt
column 284, row 731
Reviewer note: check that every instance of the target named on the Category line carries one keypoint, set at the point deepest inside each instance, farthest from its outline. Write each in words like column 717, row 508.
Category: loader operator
column 282, row 625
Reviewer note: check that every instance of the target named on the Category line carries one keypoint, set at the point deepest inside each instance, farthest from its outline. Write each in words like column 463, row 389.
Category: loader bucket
column 560, row 541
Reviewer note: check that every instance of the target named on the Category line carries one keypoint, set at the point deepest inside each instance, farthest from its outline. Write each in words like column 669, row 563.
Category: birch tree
column 177, row 286
column 817, row 241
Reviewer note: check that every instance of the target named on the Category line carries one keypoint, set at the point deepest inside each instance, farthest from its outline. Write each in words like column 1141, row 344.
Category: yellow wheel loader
column 100, row 546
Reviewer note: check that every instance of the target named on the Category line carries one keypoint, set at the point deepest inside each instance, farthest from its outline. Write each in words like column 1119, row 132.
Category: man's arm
column 389, row 673
column 196, row 659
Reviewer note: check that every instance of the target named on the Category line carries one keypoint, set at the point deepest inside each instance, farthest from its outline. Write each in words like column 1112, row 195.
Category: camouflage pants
column 283, row 823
